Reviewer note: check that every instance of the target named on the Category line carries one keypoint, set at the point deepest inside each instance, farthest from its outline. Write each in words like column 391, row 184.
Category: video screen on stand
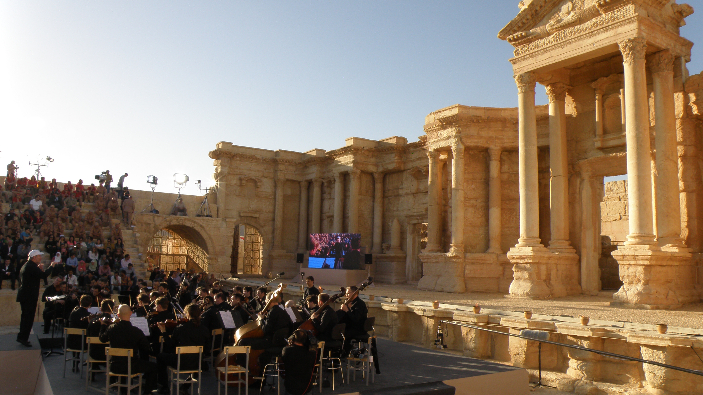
column 335, row 251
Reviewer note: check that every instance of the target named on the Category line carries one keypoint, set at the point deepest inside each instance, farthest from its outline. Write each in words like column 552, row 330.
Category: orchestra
column 263, row 321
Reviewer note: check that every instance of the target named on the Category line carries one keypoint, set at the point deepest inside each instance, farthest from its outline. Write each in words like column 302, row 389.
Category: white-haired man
column 31, row 275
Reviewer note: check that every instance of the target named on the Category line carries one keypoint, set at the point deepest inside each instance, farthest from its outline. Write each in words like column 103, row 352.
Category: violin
column 170, row 324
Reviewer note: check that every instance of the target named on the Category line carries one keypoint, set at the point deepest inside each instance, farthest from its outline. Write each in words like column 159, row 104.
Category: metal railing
column 537, row 336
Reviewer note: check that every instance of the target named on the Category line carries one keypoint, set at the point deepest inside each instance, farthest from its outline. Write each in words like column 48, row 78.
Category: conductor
column 31, row 275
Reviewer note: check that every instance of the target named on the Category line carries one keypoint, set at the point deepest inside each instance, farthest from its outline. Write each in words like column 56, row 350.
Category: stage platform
column 405, row 369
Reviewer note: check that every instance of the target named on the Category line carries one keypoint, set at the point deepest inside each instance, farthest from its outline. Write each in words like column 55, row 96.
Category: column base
column 456, row 250
column 442, row 272
column 540, row 273
column 655, row 278
column 636, row 239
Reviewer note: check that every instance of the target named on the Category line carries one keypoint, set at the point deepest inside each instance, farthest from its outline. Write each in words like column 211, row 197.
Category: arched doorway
column 178, row 247
column 247, row 251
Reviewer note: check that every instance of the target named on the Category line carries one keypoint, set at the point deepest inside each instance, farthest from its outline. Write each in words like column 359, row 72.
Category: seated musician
column 78, row 319
column 143, row 308
column 325, row 319
column 221, row 302
column 53, row 308
column 310, row 307
column 310, row 290
column 209, row 316
column 164, row 312
column 298, row 364
column 190, row 333
column 353, row 313
column 123, row 335
column 259, row 301
column 273, row 322
column 239, row 307
column 97, row 351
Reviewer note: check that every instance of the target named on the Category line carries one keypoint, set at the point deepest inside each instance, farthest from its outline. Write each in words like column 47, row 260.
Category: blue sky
column 151, row 87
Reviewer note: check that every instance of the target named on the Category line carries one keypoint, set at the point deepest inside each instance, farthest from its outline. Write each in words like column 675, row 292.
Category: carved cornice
column 633, row 49
column 525, row 82
column 557, row 91
column 566, row 37
column 661, row 62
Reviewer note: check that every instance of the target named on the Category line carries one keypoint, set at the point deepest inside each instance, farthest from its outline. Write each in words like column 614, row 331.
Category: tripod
column 150, row 208
column 204, row 210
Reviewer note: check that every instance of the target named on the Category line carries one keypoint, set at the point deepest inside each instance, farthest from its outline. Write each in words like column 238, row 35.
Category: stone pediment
column 542, row 18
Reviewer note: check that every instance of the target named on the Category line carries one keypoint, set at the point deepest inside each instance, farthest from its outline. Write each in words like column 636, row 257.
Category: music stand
column 53, row 329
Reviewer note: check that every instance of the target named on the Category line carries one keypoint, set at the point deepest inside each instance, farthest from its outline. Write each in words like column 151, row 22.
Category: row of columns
column 457, row 202
column 638, row 153
column 354, row 185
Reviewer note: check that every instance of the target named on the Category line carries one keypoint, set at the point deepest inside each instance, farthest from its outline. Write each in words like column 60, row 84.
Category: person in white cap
column 31, row 275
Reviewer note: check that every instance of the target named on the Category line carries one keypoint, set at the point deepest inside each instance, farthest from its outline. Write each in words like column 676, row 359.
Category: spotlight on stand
column 204, row 210
column 41, row 162
column 179, row 181
column 152, row 181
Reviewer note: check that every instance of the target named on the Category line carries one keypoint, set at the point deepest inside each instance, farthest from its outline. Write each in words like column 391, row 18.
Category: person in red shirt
column 80, row 189
column 92, row 190
column 32, row 184
column 22, row 182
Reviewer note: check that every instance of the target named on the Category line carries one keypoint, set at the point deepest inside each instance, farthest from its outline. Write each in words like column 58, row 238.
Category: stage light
column 180, row 179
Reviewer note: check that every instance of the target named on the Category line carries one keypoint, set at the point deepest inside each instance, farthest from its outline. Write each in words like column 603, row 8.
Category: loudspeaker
column 368, row 259
column 299, row 258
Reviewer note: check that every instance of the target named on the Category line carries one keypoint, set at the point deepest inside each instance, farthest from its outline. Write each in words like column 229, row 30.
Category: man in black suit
column 324, row 320
column 173, row 284
column 299, row 363
column 78, row 319
column 7, row 271
column 9, row 251
column 123, row 335
column 31, row 275
column 354, row 314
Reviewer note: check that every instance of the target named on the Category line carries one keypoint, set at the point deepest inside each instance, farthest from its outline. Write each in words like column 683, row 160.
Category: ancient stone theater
column 499, row 199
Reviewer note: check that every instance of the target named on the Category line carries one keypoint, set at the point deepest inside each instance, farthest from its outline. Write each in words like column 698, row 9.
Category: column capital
column 355, row 172
column 433, row 155
column 661, row 62
column 378, row 176
column 525, row 82
column 633, row 49
column 557, row 91
column 494, row 153
column 337, row 176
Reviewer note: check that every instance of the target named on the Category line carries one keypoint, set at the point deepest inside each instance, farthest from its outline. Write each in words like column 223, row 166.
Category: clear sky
column 150, row 87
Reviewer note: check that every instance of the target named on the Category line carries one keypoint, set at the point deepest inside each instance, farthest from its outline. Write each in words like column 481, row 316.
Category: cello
column 250, row 330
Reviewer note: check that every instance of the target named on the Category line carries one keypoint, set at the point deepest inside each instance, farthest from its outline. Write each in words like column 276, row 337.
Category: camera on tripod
column 153, row 180
column 102, row 176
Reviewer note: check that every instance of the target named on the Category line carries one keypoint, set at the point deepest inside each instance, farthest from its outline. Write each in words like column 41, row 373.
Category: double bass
column 250, row 330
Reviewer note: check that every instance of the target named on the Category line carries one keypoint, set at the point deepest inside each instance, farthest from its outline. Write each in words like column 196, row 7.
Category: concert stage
column 405, row 369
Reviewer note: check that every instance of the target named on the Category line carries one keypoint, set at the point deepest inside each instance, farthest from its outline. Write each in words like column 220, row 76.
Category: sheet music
column 227, row 319
column 94, row 310
column 141, row 323
column 291, row 313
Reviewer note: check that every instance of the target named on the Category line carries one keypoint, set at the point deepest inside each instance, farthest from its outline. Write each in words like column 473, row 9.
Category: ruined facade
column 504, row 200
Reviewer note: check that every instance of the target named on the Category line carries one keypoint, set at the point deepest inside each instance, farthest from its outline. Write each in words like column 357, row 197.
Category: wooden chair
column 111, row 352
column 174, row 374
column 91, row 362
column 214, row 347
column 232, row 369
column 68, row 352
column 318, row 364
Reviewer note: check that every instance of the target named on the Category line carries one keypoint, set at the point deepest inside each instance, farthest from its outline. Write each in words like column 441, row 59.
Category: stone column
column 590, row 235
column 457, row 244
column 434, row 205
column 527, row 145
column 338, row 203
column 278, row 214
column 637, row 138
column 599, row 113
column 355, row 180
column 303, row 224
column 668, row 205
column 316, row 205
column 531, row 261
column 494, row 202
column 377, row 212
column 558, row 163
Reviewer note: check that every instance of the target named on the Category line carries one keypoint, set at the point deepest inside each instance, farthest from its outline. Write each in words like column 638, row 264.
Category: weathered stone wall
column 613, row 209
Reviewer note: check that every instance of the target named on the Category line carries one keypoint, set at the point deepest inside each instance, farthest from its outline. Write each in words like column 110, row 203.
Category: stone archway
column 186, row 228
